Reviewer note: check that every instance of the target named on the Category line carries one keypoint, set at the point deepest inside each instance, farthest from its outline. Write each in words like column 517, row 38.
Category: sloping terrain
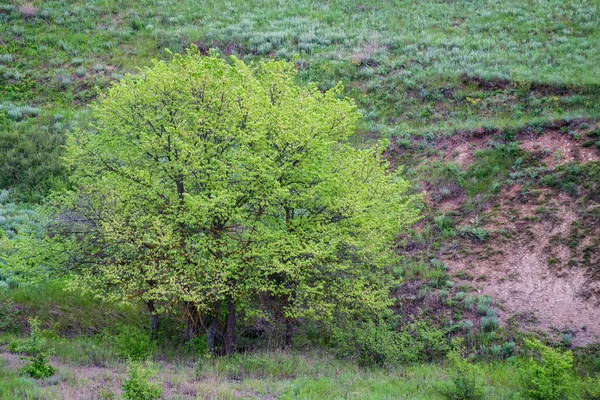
column 526, row 231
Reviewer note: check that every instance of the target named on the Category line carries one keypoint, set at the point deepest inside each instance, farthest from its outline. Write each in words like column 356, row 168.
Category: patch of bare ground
column 461, row 148
column 556, row 148
column 527, row 267
column 552, row 146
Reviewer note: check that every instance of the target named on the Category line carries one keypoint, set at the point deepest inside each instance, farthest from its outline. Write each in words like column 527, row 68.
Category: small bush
column 137, row 387
column 466, row 378
column 489, row 323
column 381, row 345
column 468, row 325
column 547, row 374
column 32, row 345
column 468, row 303
column 590, row 388
column 443, row 222
column 509, row 348
column 482, row 309
column 8, row 312
column 133, row 343
column 39, row 368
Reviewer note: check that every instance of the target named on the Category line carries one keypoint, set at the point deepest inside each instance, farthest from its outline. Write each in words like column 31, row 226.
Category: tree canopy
column 226, row 190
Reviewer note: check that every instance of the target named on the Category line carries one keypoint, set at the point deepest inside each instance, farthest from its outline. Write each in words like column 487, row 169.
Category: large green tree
column 227, row 189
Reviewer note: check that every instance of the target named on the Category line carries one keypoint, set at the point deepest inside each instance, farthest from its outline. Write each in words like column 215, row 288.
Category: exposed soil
column 530, row 273
column 552, row 146
column 541, row 262
column 461, row 148
column 556, row 148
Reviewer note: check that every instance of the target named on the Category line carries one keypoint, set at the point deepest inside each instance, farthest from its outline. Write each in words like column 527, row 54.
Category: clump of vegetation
column 38, row 367
column 378, row 344
column 175, row 220
column 131, row 342
column 137, row 385
column 547, row 373
column 466, row 378
column 265, row 192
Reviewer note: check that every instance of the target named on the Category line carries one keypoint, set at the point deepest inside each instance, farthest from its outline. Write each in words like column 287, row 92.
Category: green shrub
column 482, row 309
column 590, row 388
column 30, row 156
column 380, row 344
column 38, row 368
column 547, row 374
column 489, row 323
column 137, row 387
column 443, row 222
column 8, row 313
column 32, row 345
column 509, row 348
column 474, row 233
column 468, row 303
column 466, row 378
column 133, row 343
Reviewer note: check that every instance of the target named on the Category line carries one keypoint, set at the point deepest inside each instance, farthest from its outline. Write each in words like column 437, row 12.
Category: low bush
column 38, row 367
column 466, row 378
column 137, row 385
column 132, row 343
column 379, row 344
column 547, row 373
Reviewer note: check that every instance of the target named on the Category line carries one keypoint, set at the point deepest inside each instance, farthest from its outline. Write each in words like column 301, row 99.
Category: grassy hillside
column 491, row 108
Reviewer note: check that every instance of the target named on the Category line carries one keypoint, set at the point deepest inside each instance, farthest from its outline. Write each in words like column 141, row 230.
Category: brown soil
column 461, row 148
column 555, row 148
column 529, row 272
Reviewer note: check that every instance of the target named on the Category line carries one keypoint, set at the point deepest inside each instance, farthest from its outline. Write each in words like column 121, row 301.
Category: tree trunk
column 190, row 312
column 289, row 332
column 153, row 319
column 230, row 327
column 213, row 327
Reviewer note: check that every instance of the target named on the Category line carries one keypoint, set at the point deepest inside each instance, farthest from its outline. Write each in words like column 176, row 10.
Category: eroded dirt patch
column 556, row 148
column 527, row 267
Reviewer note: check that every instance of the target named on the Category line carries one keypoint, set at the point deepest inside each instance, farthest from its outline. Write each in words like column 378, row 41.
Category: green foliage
column 74, row 313
column 34, row 344
column 131, row 342
column 198, row 345
column 8, row 313
column 379, row 344
column 467, row 379
column 14, row 386
column 590, row 388
column 547, row 373
column 137, row 386
column 575, row 178
column 38, row 367
column 474, row 233
column 235, row 187
column 29, row 158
